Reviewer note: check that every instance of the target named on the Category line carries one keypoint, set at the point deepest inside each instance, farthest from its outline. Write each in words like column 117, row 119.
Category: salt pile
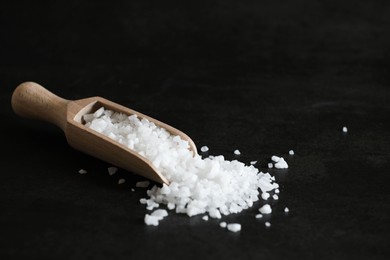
column 212, row 185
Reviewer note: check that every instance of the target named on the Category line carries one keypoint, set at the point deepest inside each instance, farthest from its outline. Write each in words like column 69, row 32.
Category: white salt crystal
column 275, row 197
column 281, row 164
column 259, row 216
column 286, row 210
column 291, row 152
column 132, row 189
column 265, row 209
column 204, row 149
column 222, row 224
column 270, row 165
column 237, row 152
column 82, row 171
column 345, row 129
column 121, row 181
column 253, row 162
column 170, row 205
column 275, row 158
column 267, row 224
column 112, row 170
column 155, row 217
column 265, row 195
column 142, row 184
column 98, row 112
column 234, row 227
column 277, row 191
column 205, row 218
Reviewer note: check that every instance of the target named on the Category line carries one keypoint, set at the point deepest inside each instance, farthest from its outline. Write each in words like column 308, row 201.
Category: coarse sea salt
column 112, row 170
column 223, row 224
column 345, row 129
column 197, row 185
column 204, row 149
column 265, row 209
column 291, row 152
column 121, row 181
column 281, row 164
column 234, row 227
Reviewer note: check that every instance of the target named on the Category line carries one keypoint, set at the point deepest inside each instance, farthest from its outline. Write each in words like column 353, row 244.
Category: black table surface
column 264, row 77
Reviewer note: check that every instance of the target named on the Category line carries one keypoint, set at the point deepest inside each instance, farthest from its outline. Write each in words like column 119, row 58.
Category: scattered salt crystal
column 98, row 112
column 291, row 152
column 253, row 162
column 142, row 184
column 222, row 224
column 121, row 181
column 267, row 224
column 270, row 165
column 155, row 217
column 237, row 152
column 286, row 210
column 234, row 227
column 259, row 216
column 170, row 205
column 204, row 149
column 112, row 170
column 132, row 189
column 205, row 218
column 345, row 129
column 277, row 191
column 275, row 197
column 82, row 171
column 265, row 195
column 281, row 164
column 265, row 209
column 275, row 158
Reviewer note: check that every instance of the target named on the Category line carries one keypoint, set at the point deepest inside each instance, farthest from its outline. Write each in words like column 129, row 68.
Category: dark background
column 260, row 76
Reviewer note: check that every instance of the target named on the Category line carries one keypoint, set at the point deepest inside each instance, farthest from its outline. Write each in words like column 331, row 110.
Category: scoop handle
column 31, row 100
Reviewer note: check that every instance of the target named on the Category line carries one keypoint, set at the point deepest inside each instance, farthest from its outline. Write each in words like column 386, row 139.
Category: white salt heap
column 212, row 185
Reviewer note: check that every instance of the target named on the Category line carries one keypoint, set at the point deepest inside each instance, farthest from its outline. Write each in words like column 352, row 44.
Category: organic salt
column 234, row 227
column 281, row 164
column 204, row 149
column 265, row 209
column 212, row 185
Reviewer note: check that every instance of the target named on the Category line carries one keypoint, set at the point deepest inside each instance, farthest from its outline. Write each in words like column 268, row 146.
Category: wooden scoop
column 31, row 100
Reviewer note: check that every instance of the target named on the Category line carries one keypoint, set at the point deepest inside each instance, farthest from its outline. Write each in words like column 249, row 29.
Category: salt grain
column 265, row 209
column 155, row 217
column 253, row 162
column 121, row 181
column 205, row 218
column 286, row 210
column 222, row 224
column 259, row 216
column 112, row 170
column 265, row 195
column 237, row 152
column 345, row 129
column 275, row 197
column 204, row 149
column 82, row 171
column 277, row 191
column 234, row 227
column 291, row 152
column 275, row 158
column 281, row 164
column 267, row 224
column 270, row 165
